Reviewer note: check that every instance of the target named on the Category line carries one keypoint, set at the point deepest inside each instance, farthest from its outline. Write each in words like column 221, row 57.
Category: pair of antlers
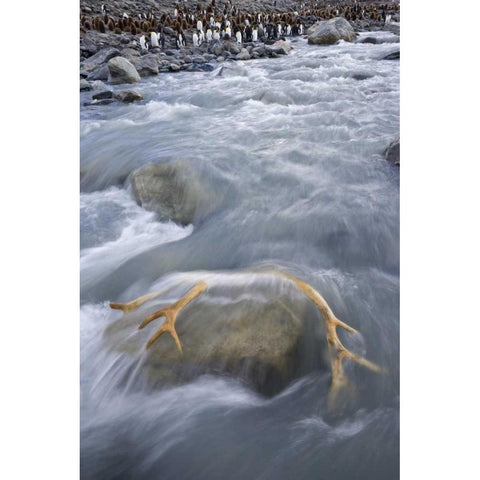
column 340, row 352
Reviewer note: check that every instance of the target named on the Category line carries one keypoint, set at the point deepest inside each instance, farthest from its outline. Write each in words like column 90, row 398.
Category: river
column 292, row 149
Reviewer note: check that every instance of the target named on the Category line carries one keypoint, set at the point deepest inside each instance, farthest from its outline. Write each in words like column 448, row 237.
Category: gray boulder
column 84, row 85
column 122, row 71
column 282, row 46
column 172, row 190
column 127, row 96
column 101, row 57
column 145, row 65
column 243, row 55
column 100, row 73
column 266, row 339
column 392, row 153
column 328, row 32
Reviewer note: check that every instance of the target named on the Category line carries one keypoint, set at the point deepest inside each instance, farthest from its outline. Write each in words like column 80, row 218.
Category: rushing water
column 292, row 148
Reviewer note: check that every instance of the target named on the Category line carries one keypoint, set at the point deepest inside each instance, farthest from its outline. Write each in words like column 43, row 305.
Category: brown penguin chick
column 133, row 29
column 111, row 25
column 101, row 26
column 87, row 25
column 117, row 30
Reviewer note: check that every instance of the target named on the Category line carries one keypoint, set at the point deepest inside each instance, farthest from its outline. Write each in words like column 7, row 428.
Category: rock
column 98, row 85
column 101, row 57
column 328, row 32
column 392, row 153
column 371, row 40
column 130, row 52
column 103, row 101
column 84, row 85
column 361, row 76
column 198, row 59
column 122, row 71
column 233, row 48
column 174, row 67
column 127, row 96
column 104, row 94
column 392, row 56
column 171, row 190
column 259, row 50
column 393, row 27
column 220, row 59
column 145, row 65
column 265, row 339
column 243, row 55
column 216, row 48
column 282, row 46
column 100, row 73
column 169, row 31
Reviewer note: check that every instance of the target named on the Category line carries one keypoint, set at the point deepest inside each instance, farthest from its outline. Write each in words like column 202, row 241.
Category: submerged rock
column 392, row 153
column 127, row 96
column 122, row 71
column 328, row 32
column 392, row 56
column 265, row 339
column 172, row 190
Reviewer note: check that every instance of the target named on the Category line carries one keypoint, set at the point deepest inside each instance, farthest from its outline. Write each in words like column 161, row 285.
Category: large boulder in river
column 328, row 32
column 172, row 190
column 122, row 71
column 261, row 331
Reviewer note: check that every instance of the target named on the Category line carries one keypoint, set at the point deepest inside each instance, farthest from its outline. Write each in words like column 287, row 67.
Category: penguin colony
column 215, row 20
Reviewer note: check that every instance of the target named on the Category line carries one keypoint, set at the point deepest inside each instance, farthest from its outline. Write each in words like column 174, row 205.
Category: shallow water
column 292, row 149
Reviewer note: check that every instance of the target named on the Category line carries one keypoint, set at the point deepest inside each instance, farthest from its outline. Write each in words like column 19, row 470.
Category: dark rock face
column 171, row 190
column 392, row 153
column 264, row 343
column 328, row 32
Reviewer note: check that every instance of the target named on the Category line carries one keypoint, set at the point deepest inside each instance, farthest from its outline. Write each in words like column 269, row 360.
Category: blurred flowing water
column 292, row 148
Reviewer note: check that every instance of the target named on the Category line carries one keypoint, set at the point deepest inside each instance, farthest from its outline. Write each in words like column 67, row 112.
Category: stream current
column 292, row 149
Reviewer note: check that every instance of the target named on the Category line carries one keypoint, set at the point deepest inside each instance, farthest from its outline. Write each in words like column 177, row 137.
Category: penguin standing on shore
column 254, row 34
column 238, row 36
column 143, row 44
column 209, row 35
column 201, row 37
column 154, row 40
column 195, row 39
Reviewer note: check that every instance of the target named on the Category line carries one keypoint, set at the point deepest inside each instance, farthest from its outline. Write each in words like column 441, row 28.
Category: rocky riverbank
column 150, row 37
